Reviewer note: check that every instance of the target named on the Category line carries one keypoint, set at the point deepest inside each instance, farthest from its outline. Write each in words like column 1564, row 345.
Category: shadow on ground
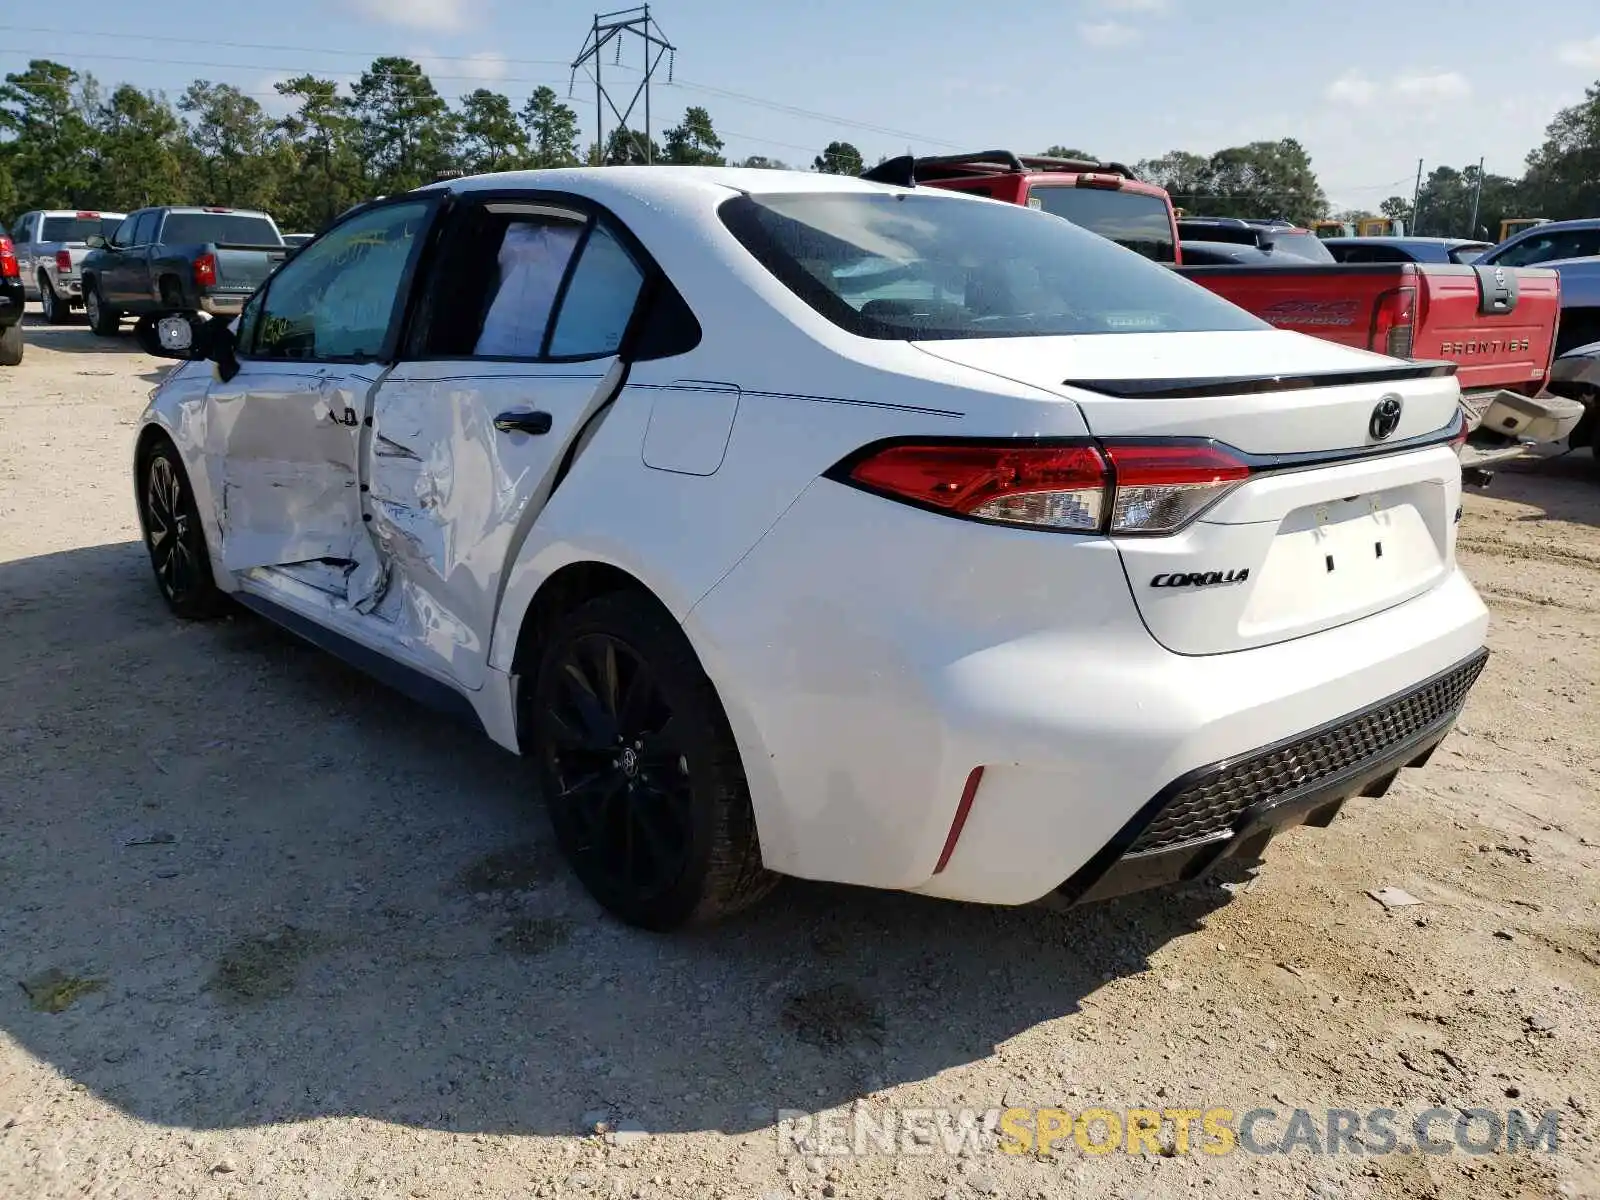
column 1562, row 486
column 273, row 890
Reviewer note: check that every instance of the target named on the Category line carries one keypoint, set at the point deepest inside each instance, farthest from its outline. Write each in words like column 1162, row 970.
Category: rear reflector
column 962, row 809
column 1074, row 487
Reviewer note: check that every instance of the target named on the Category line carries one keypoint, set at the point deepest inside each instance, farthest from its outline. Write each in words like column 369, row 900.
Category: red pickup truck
column 1499, row 327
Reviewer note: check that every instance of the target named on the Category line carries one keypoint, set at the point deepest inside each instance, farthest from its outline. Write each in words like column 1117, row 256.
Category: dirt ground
column 280, row 933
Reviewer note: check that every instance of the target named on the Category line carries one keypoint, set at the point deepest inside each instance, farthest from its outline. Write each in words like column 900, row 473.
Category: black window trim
column 654, row 281
column 437, row 202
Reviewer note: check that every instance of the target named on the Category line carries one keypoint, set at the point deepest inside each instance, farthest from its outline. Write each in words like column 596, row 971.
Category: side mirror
column 95, row 242
column 188, row 337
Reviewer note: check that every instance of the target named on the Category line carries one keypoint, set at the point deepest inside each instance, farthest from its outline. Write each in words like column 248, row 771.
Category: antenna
column 616, row 27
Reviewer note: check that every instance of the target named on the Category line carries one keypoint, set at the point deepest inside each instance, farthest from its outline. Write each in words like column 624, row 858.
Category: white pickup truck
column 51, row 245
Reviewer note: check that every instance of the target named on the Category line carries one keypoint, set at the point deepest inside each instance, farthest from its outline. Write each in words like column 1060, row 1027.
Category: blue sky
column 1369, row 86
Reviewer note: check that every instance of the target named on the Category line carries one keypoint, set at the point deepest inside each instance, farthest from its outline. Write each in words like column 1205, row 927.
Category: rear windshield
column 77, row 229
column 238, row 229
column 1141, row 222
column 1302, row 245
column 917, row 266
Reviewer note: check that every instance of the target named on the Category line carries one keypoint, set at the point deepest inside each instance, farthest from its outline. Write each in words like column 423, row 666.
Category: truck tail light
column 64, row 262
column 1068, row 487
column 1113, row 182
column 205, row 270
column 1394, row 323
column 9, row 268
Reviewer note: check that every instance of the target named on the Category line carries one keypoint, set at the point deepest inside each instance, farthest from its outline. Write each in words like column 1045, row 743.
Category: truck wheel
column 11, row 345
column 105, row 322
column 55, row 308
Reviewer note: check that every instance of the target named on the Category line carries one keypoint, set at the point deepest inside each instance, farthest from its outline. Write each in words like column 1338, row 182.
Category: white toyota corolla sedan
column 797, row 525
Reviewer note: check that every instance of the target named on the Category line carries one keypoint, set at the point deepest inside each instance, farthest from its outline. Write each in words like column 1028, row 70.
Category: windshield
column 77, row 229
column 919, row 266
column 237, row 229
column 1141, row 222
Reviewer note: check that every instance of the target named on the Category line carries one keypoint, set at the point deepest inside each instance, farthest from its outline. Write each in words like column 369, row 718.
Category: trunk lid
column 1334, row 524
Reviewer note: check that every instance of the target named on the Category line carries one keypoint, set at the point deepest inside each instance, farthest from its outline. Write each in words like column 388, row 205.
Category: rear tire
column 639, row 769
column 11, row 345
column 105, row 322
column 55, row 308
column 173, row 535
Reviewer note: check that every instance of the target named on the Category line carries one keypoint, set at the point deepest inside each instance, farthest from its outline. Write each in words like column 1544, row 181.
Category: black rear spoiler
column 907, row 169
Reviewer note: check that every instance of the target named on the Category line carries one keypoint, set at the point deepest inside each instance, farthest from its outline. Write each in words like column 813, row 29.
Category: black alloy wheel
column 174, row 537
column 639, row 769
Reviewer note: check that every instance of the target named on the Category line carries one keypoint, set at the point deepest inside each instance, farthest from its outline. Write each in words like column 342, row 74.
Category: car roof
column 664, row 181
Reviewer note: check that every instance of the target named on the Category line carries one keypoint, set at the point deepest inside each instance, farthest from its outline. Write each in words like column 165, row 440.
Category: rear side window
column 528, row 281
column 1550, row 247
column 915, row 265
column 1141, row 222
column 599, row 302
column 235, row 229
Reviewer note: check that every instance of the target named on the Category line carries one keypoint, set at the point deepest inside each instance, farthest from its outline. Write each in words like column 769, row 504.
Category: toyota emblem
column 1385, row 417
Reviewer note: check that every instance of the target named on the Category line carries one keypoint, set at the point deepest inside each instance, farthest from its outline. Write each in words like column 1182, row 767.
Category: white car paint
column 869, row 654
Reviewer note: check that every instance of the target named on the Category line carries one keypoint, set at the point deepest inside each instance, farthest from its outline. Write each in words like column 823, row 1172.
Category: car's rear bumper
column 871, row 659
column 1231, row 809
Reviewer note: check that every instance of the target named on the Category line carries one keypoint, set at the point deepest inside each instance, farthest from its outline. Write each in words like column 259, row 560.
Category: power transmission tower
column 616, row 27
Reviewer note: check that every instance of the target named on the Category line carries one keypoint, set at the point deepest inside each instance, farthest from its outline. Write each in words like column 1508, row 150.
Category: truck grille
column 1213, row 804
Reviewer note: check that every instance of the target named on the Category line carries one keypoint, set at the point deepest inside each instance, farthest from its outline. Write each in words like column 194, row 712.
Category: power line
column 707, row 89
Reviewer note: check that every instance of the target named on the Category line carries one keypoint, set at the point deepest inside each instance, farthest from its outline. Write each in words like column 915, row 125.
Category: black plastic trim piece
column 1251, row 385
column 408, row 681
column 1094, row 880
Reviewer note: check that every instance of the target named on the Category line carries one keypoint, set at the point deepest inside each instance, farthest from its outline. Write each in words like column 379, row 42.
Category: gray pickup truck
column 172, row 260
column 51, row 246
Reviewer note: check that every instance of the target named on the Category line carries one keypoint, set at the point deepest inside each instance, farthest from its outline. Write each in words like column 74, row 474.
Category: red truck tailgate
column 1498, row 349
column 1500, row 330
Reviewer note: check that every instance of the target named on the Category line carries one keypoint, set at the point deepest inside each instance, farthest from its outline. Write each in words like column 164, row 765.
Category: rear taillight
column 1394, row 322
column 1161, row 488
column 1078, row 487
column 64, row 262
column 1059, row 487
column 205, row 270
column 8, row 259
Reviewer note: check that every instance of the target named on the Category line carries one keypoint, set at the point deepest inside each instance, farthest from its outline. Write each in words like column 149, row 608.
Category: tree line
column 66, row 142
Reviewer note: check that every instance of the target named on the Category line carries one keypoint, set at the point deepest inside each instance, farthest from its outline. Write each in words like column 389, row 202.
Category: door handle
column 523, row 421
